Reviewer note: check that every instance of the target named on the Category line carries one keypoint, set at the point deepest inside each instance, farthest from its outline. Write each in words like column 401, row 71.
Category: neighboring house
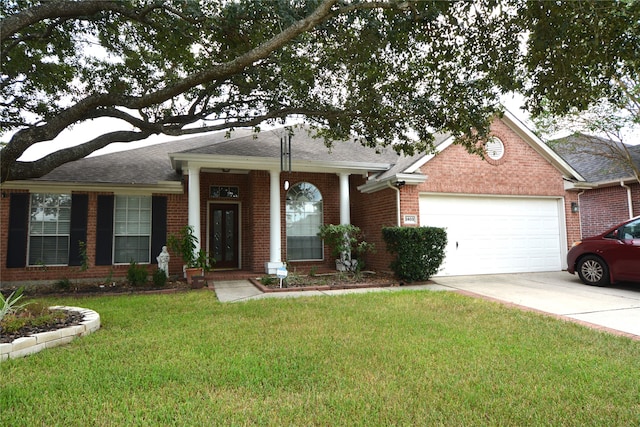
column 508, row 213
column 610, row 192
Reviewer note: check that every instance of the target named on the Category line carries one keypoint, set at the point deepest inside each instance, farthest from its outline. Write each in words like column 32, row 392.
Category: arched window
column 304, row 218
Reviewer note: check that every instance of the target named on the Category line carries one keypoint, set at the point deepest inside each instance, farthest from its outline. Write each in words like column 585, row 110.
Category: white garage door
column 488, row 235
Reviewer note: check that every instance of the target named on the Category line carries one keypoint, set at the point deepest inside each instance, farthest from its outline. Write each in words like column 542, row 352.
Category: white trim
column 194, row 204
column 345, row 204
column 183, row 160
column 377, row 185
column 564, row 237
column 162, row 187
column 275, row 233
column 539, row 146
column 421, row 161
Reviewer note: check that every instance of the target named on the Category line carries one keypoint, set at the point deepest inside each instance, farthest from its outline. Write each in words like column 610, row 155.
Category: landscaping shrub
column 419, row 251
column 345, row 241
column 136, row 274
column 159, row 278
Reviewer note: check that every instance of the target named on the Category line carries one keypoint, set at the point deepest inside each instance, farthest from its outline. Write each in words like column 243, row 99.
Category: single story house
column 510, row 212
column 610, row 192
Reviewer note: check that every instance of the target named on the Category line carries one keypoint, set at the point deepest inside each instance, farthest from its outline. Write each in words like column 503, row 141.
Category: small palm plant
column 9, row 305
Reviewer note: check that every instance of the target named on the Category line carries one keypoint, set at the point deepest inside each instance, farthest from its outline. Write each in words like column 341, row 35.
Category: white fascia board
column 269, row 163
column 577, row 186
column 537, row 144
column 164, row 187
column 424, row 159
column 602, row 184
column 377, row 185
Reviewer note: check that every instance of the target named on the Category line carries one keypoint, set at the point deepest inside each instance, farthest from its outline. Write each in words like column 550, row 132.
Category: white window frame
column 39, row 228
column 318, row 202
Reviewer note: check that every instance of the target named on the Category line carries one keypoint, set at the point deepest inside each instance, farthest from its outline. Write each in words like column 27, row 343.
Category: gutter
column 629, row 200
column 579, row 214
column 374, row 185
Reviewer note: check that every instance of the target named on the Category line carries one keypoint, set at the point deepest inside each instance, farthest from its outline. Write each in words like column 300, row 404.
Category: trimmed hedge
column 419, row 251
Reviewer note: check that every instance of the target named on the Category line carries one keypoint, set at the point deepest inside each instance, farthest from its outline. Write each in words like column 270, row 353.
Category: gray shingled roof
column 304, row 146
column 151, row 164
column 403, row 163
column 590, row 157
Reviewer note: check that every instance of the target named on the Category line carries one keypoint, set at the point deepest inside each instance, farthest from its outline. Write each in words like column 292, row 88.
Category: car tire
column 593, row 271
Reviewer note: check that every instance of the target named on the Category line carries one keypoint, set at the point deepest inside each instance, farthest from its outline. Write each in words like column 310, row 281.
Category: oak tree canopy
column 386, row 71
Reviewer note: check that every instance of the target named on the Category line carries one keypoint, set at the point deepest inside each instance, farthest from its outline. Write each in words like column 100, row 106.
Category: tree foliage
column 581, row 53
column 584, row 68
column 386, row 71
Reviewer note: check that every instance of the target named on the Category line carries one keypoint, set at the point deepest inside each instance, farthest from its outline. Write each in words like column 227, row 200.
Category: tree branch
column 40, row 167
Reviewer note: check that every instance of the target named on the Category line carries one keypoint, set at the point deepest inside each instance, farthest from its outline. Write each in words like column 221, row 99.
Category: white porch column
column 275, row 236
column 194, row 202
column 345, row 205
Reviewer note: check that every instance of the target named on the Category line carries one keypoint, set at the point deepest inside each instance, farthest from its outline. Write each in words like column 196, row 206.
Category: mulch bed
column 72, row 318
column 331, row 281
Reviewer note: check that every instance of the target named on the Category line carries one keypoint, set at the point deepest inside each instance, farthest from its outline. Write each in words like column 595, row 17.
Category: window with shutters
column 132, row 229
column 49, row 229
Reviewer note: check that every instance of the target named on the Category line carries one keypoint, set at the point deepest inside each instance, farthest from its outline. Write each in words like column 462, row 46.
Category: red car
column 610, row 257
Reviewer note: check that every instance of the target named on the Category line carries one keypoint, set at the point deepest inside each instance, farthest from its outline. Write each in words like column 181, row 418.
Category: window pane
column 132, row 229
column 132, row 248
column 49, row 228
column 304, row 217
column 48, row 250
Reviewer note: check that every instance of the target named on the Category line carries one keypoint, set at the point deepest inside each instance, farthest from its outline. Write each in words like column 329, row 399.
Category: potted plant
column 196, row 263
column 202, row 263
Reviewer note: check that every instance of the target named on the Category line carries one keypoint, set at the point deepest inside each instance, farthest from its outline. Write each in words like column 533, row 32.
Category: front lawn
column 402, row 358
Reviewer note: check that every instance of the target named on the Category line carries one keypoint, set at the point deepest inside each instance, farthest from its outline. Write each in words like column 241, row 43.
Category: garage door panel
column 495, row 234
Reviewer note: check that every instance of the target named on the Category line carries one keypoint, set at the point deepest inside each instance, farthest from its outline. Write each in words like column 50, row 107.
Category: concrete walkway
column 559, row 293
column 243, row 290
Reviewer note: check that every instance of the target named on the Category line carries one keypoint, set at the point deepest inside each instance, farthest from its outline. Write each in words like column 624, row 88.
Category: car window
column 630, row 231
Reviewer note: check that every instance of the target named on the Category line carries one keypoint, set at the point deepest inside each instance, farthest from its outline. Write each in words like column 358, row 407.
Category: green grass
column 405, row 358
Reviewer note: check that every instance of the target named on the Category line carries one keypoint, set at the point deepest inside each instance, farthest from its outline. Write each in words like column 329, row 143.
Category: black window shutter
column 79, row 211
column 18, row 230
column 158, row 226
column 104, row 231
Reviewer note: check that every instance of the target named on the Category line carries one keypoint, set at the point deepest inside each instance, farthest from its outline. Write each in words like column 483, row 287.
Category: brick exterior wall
column 521, row 172
column 603, row 208
column 372, row 212
column 176, row 216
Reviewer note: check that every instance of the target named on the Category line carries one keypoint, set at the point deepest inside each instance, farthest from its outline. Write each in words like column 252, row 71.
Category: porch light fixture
column 575, row 208
column 286, row 184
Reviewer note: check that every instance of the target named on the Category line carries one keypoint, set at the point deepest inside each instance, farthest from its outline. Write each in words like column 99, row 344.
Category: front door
column 223, row 235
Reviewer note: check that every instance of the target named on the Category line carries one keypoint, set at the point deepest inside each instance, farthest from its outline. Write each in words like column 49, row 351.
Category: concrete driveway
column 616, row 307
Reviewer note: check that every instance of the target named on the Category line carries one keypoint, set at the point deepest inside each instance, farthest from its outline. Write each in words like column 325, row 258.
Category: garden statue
column 163, row 261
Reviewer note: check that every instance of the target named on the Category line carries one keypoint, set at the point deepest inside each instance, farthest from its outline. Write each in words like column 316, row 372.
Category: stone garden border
column 35, row 343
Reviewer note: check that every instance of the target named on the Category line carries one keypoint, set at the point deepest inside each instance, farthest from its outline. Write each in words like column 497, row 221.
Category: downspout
column 629, row 200
column 393, row 187
column 580, row 214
